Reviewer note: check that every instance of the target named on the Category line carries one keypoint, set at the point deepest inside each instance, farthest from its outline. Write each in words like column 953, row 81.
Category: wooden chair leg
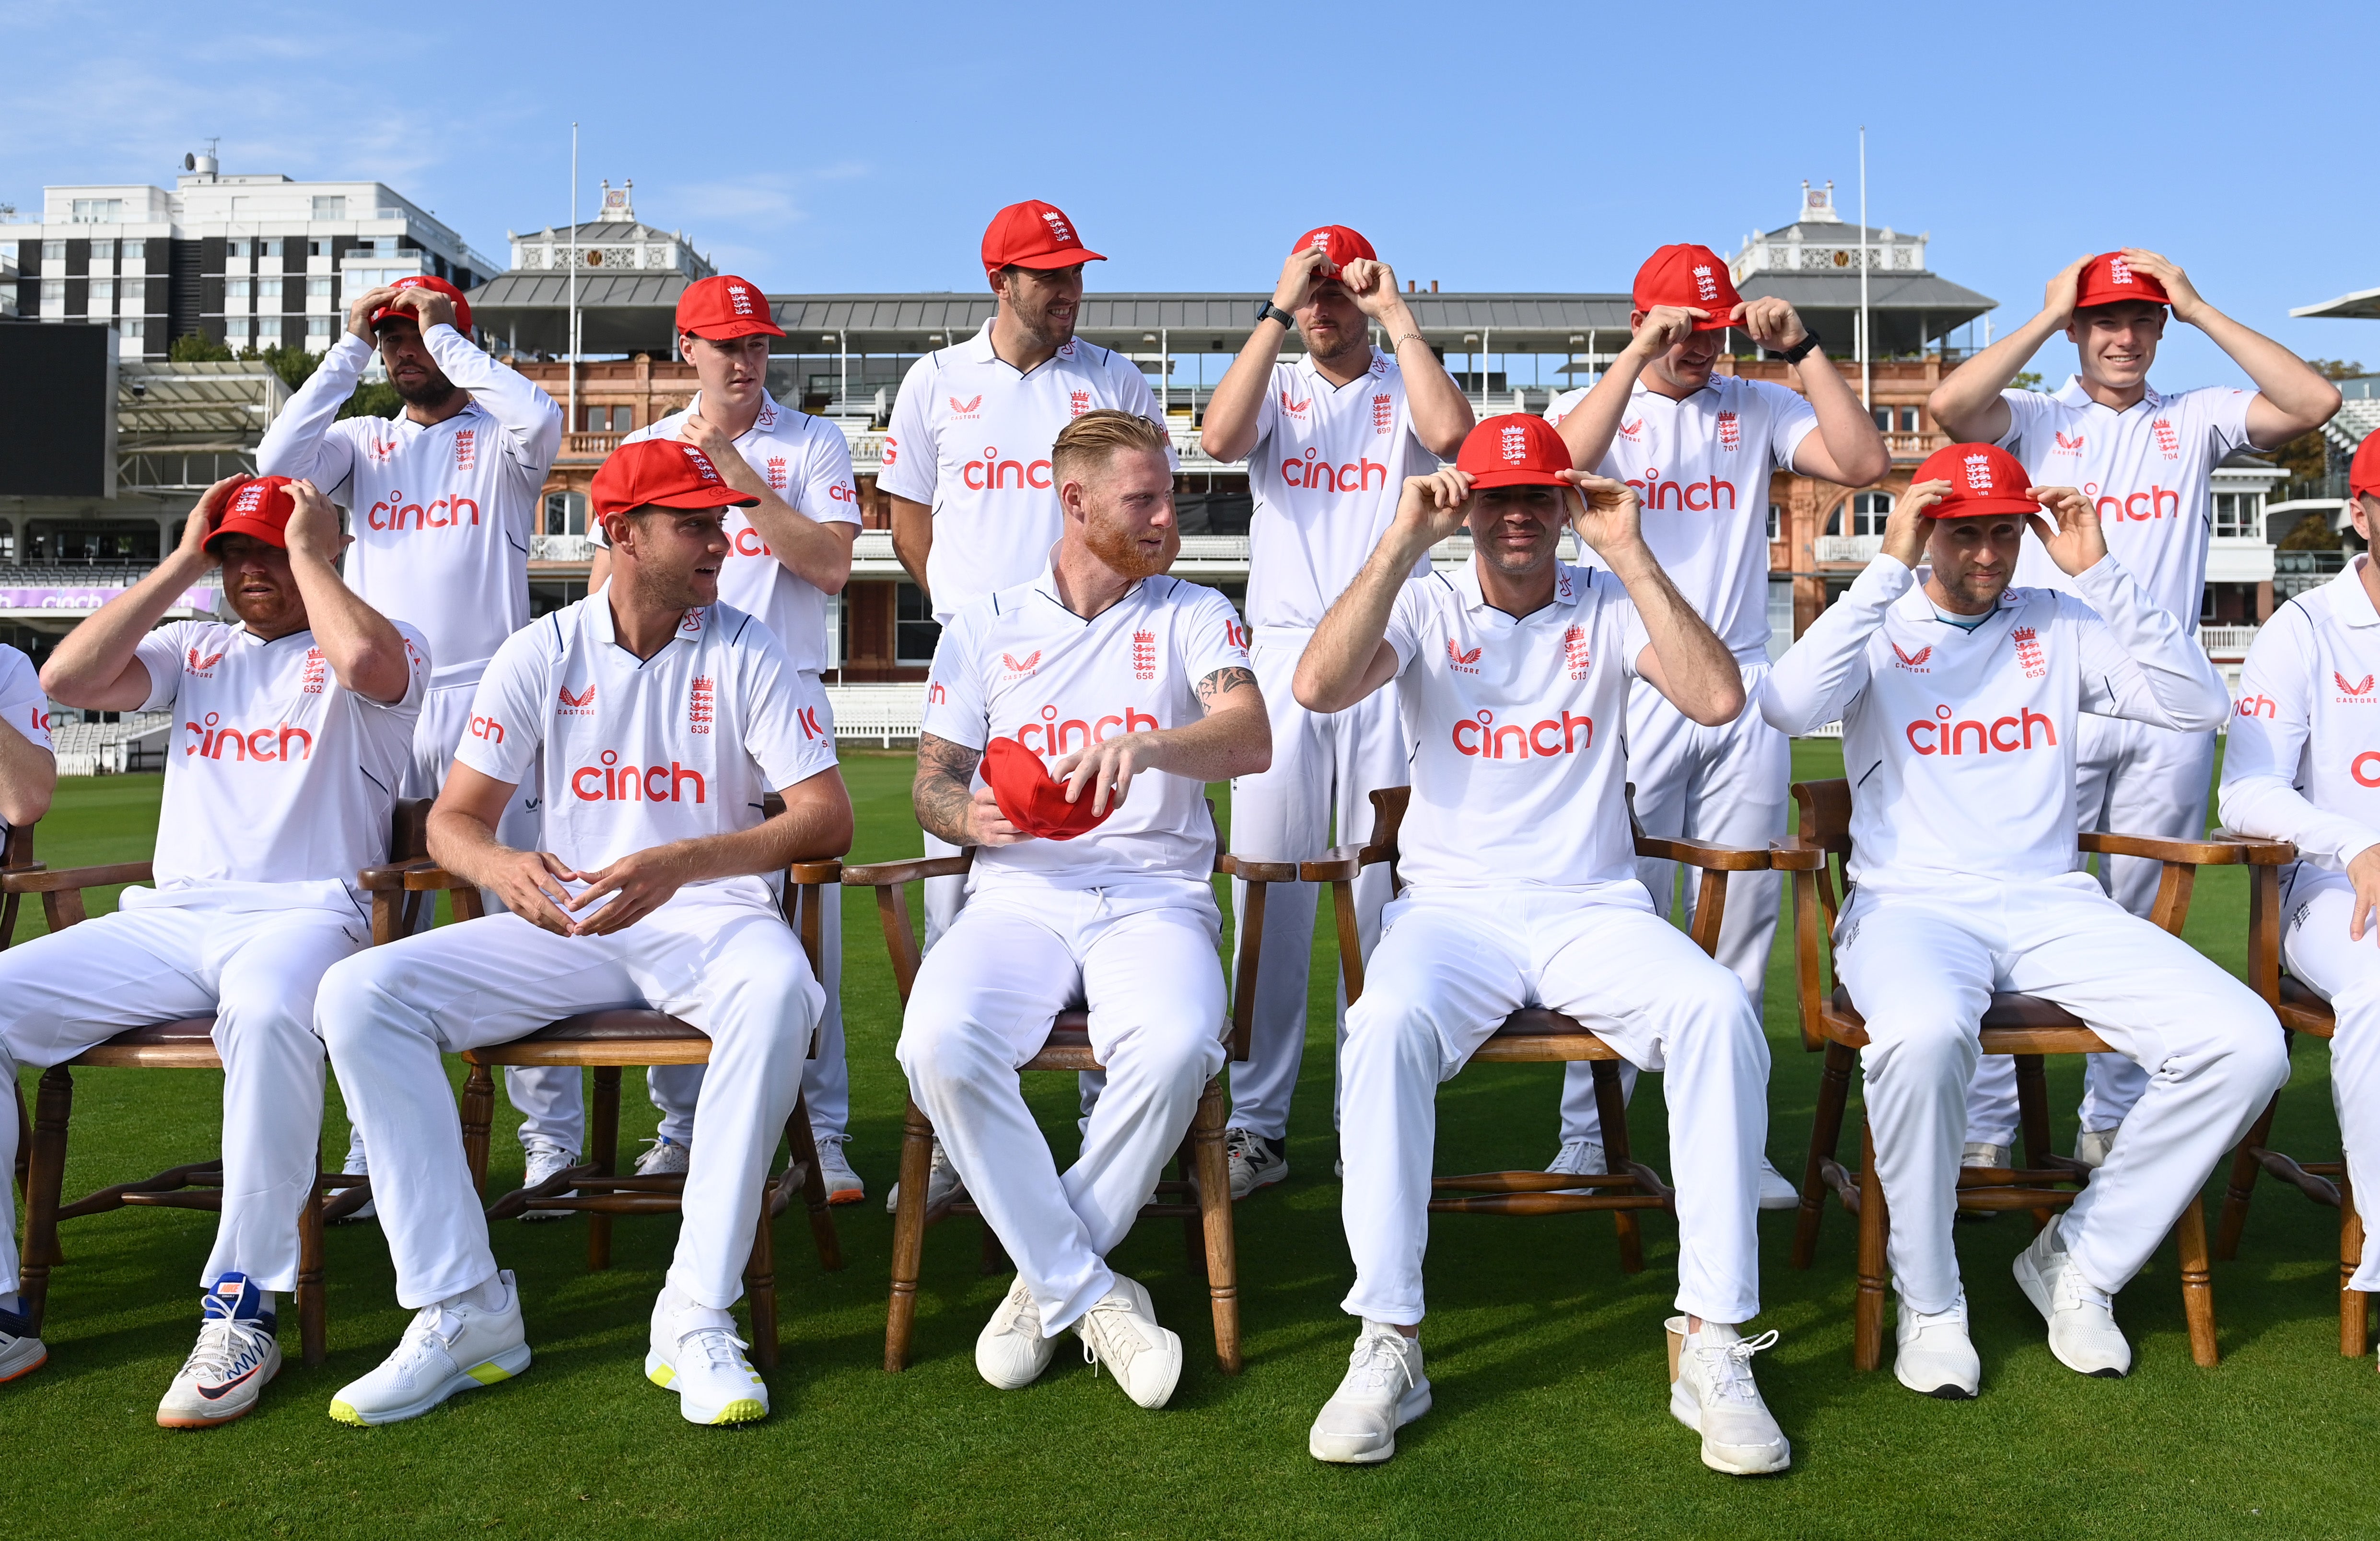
column 2033, row 1118
column 478, row 1110
column 2354, row 1305
column 760, row 1281
column 908, row 1236
column 804, row 1146
column 24, row 1140
column 44, row 1185
column 1612, row 1110
column 2242, row 1185
column 1219, row 1243
column 603, row 1149
column 1875, row 1272
column 1826, row 1139
column 313, row 1329
column 2197, row 1284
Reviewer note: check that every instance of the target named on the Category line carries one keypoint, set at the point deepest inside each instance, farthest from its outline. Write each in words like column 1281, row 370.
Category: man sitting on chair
column 1133, row 689
column 294, row 727
column 665, row 719
column 1959, row 698
column 1521, row 891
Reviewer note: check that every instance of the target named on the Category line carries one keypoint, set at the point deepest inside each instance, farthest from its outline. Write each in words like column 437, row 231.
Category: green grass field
column 1550, row 1415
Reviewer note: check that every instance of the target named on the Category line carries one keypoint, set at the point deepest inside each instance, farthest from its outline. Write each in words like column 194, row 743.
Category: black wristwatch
column 1267, row 308
column 1800, row 350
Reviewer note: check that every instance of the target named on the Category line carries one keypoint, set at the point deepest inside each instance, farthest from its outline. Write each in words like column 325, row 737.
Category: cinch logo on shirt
column 2366, row 769
column 1236, row 635
column 936, row 695
column 280, row 742
column 747, row 542
column 611, row 782
column 892, row 449
column 1144, row 655
column 1063, row 738
column 568, row 705
column 1731, row 433
column 1461, row 661
column 487, row 728
column 698, row 705
column 2257, row 706
column 843, row 492
column 1512, row 741
column 393, row 514
column 964, row 410
column 1948, row 735
column 807, row 717
column 1384, row 414
column 991, row 474
column 2154, row 504
column 1657, row 493
column 466, row 442
column 2357, row 694
column 1355, row 476
column 1914, row 663
column 204, row 668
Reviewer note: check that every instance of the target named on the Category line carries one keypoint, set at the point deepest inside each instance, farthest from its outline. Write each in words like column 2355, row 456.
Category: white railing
column 1861, row 548
column 560, row 548
column 884, row 712
column 2217, row 641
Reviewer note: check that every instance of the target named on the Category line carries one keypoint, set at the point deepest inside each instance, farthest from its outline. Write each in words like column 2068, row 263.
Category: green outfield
column 1548, row 1361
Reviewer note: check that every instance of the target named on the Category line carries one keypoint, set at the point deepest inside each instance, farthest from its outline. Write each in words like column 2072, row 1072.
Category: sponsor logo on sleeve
column 807, row 717
column 2257, row 706
column 892, row 449
column 936, row 695
column 1235, row 635
column 486, row 728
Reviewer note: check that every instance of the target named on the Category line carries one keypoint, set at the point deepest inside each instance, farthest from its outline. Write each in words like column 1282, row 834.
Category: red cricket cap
column 1338, row 243
column 259, row 508
column 725, row 307
column 1031, row 798
column 1518, row 449
column 1033, row 235
column 1689, row 276
column 424, row 281
column 668, row 472
column 2363, row 471
column 2107, row 278
column 1985, row 478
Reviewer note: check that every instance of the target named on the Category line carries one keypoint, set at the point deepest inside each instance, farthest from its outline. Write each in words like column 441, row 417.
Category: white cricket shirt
column 442, row 516
column 1518, row 729
column 2303, row 761
column 276, row 773
column 970, row 437
column 1701, row 467
column 1328, row 468
column 640, row 752
column 806, row 461
column 2149, row 468
column 1960, row 745
column 22, row 704
column 1019, row 664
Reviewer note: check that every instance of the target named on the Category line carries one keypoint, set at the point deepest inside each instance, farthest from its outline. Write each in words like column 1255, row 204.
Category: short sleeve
column 1213, row 637
column 2026, row 411
column 2225, row 411
column 954, row 700
column 161, row 653
column 416, row 673
column 1790, row 419
column 1267, row 412
column 911, row 462
column 1406, row 622
column 509, row 709
column 1629, row 622
column 788, row 724
column 1565, row 403
column 829, row 492
column 23, row 705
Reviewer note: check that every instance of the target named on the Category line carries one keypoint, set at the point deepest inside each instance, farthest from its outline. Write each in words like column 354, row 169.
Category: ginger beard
column 1133, row 553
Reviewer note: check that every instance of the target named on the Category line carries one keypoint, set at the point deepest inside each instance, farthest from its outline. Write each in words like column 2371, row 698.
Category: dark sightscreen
column 56, row 401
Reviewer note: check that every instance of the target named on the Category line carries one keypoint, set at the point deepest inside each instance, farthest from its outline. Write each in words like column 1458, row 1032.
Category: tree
column 293, row 365
column 197, row 347
column 2029, row 379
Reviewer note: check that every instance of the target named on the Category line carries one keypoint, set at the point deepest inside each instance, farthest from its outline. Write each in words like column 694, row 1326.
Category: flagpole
column 1864, row 348
column 570, row 343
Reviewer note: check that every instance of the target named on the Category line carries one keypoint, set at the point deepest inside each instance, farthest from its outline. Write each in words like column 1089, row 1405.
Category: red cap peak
column 1515, row 450
column 725, row 307
column 259, row 507
column 668, row 472
column 2107, row 278
column 1985, row 478
column 1033, row 235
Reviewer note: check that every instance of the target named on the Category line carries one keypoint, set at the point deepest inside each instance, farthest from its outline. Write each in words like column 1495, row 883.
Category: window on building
column 318, row 336
column 1776, row 520
column 271, row 248
column 98, row 211
column 237, row 288
column 268, row 288
column 1869, row 511
column 133, row 327
column 1834, row 521
column 235, row 332
column 53, row 295
column 1909, row 419
column 54, row 255
column 565, row 513
column 103, row 296
column 335, row 207
column 317, row 288
column 913, row 631
column 236, row 248
column 607, row 420
column 2239, row 515
column 101, row 251
column 268, row 330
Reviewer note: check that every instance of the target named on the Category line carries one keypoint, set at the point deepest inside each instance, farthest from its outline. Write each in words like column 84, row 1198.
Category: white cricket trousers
column 1141, row 957
column 2346, row 973
column 1727, row 785
column 725, row 963
column 1921, row 964
column 256, row 969
column 1450, row 968
column 1325, row 767
column 2130, row 778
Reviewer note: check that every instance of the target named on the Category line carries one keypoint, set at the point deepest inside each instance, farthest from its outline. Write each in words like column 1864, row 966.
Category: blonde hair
column 1091, row 440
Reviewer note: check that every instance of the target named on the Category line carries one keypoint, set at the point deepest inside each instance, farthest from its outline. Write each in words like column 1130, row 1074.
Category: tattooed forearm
column 1215, row 686
column 942, row 792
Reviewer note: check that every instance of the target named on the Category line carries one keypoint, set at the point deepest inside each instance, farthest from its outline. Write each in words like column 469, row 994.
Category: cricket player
column 294, row 728
column 664, row 717
column 2145, row 460
column 1134, row 690
column 29, row 770
column 1521, row 889
column 1329, row 441
column 1960, row 698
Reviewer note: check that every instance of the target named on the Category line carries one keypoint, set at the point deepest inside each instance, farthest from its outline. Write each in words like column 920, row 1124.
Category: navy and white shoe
column 21, row 1347
column 237, row 1355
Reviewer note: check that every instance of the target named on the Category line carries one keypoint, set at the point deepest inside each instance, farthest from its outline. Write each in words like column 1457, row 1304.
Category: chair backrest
column 1825, row 822
column 15, row 856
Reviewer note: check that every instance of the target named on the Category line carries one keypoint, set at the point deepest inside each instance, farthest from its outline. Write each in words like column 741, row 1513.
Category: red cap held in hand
column 259, row 507
column 1689, row 276
column 1341, row 245
column 2107, row 278
column 1033, row 235
column 1031, row 799
column 668, row 472
column 424, row 281
column 1518, row 449
column 1985, row 478
column 725, row 307
column 2363, row 471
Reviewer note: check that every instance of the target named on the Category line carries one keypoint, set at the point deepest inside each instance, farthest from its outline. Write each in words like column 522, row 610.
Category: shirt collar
column 1305, row 369
column 2073, row 394
column 978, row 347
column 2350, row 600
column 1918, row 605
column 1570, row 587
column 767, row 420
column 1047, row 585
column 607, row 636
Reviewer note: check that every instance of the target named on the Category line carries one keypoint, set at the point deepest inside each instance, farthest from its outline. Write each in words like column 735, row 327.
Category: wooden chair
column 185, row 1044
column 1204, row 1177
column 2301, row 1011
column 608, row 1041
column 1537, row 1036
column 2023, row 1026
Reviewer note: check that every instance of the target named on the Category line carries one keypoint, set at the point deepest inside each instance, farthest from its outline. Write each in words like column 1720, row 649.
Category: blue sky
column 862, row 146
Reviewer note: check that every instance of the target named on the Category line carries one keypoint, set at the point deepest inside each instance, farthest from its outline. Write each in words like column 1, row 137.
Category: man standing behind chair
column 442, row 501
column 786, row 555
column 1958, row 696
column 294, row 728
column 1699, row 447
column 1329, row 441
column 2146, row 460
column 2301, row 766
column 29, row 770
column 665, row 718
column 1521, row 891
column 1134, row 688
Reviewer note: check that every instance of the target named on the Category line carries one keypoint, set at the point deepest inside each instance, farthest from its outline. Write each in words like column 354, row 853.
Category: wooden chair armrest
column 389, row 877
column 882, row 874
column 1792, row 855
column 825, row 870
column 431, row 878
column 72, row 878
column 2261, row 858
column 1696, row 852
column 1338, row 864
column 1248, row 869
column 2228, row 851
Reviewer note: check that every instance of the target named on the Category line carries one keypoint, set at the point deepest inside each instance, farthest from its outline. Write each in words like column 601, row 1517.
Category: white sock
column 1718, row 1332
column 686, row 1314
column 486, row 1295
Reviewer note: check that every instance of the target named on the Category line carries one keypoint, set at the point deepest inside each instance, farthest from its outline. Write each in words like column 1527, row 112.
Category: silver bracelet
column 1414, row 336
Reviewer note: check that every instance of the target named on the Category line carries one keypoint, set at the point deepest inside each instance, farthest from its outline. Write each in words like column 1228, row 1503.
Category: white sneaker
column 1977, row 1154
column 694, row 1352
column 452, row 1346
column 1254, row 1161
column 2082, row 1317
column 2090, row 1146
column 1933, row 1355
column 545, row 1159
column 942, row 1182
column 1578, row 1158
column 358, row 1165
column 842, row 1184
column 1120, row 1332
column 1010, row 1351
column 665, row 1158
column 1715, row 1396
column 1775, row 1192
column 235, row 1356
column 1383, row 1390
column 20, row 1348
